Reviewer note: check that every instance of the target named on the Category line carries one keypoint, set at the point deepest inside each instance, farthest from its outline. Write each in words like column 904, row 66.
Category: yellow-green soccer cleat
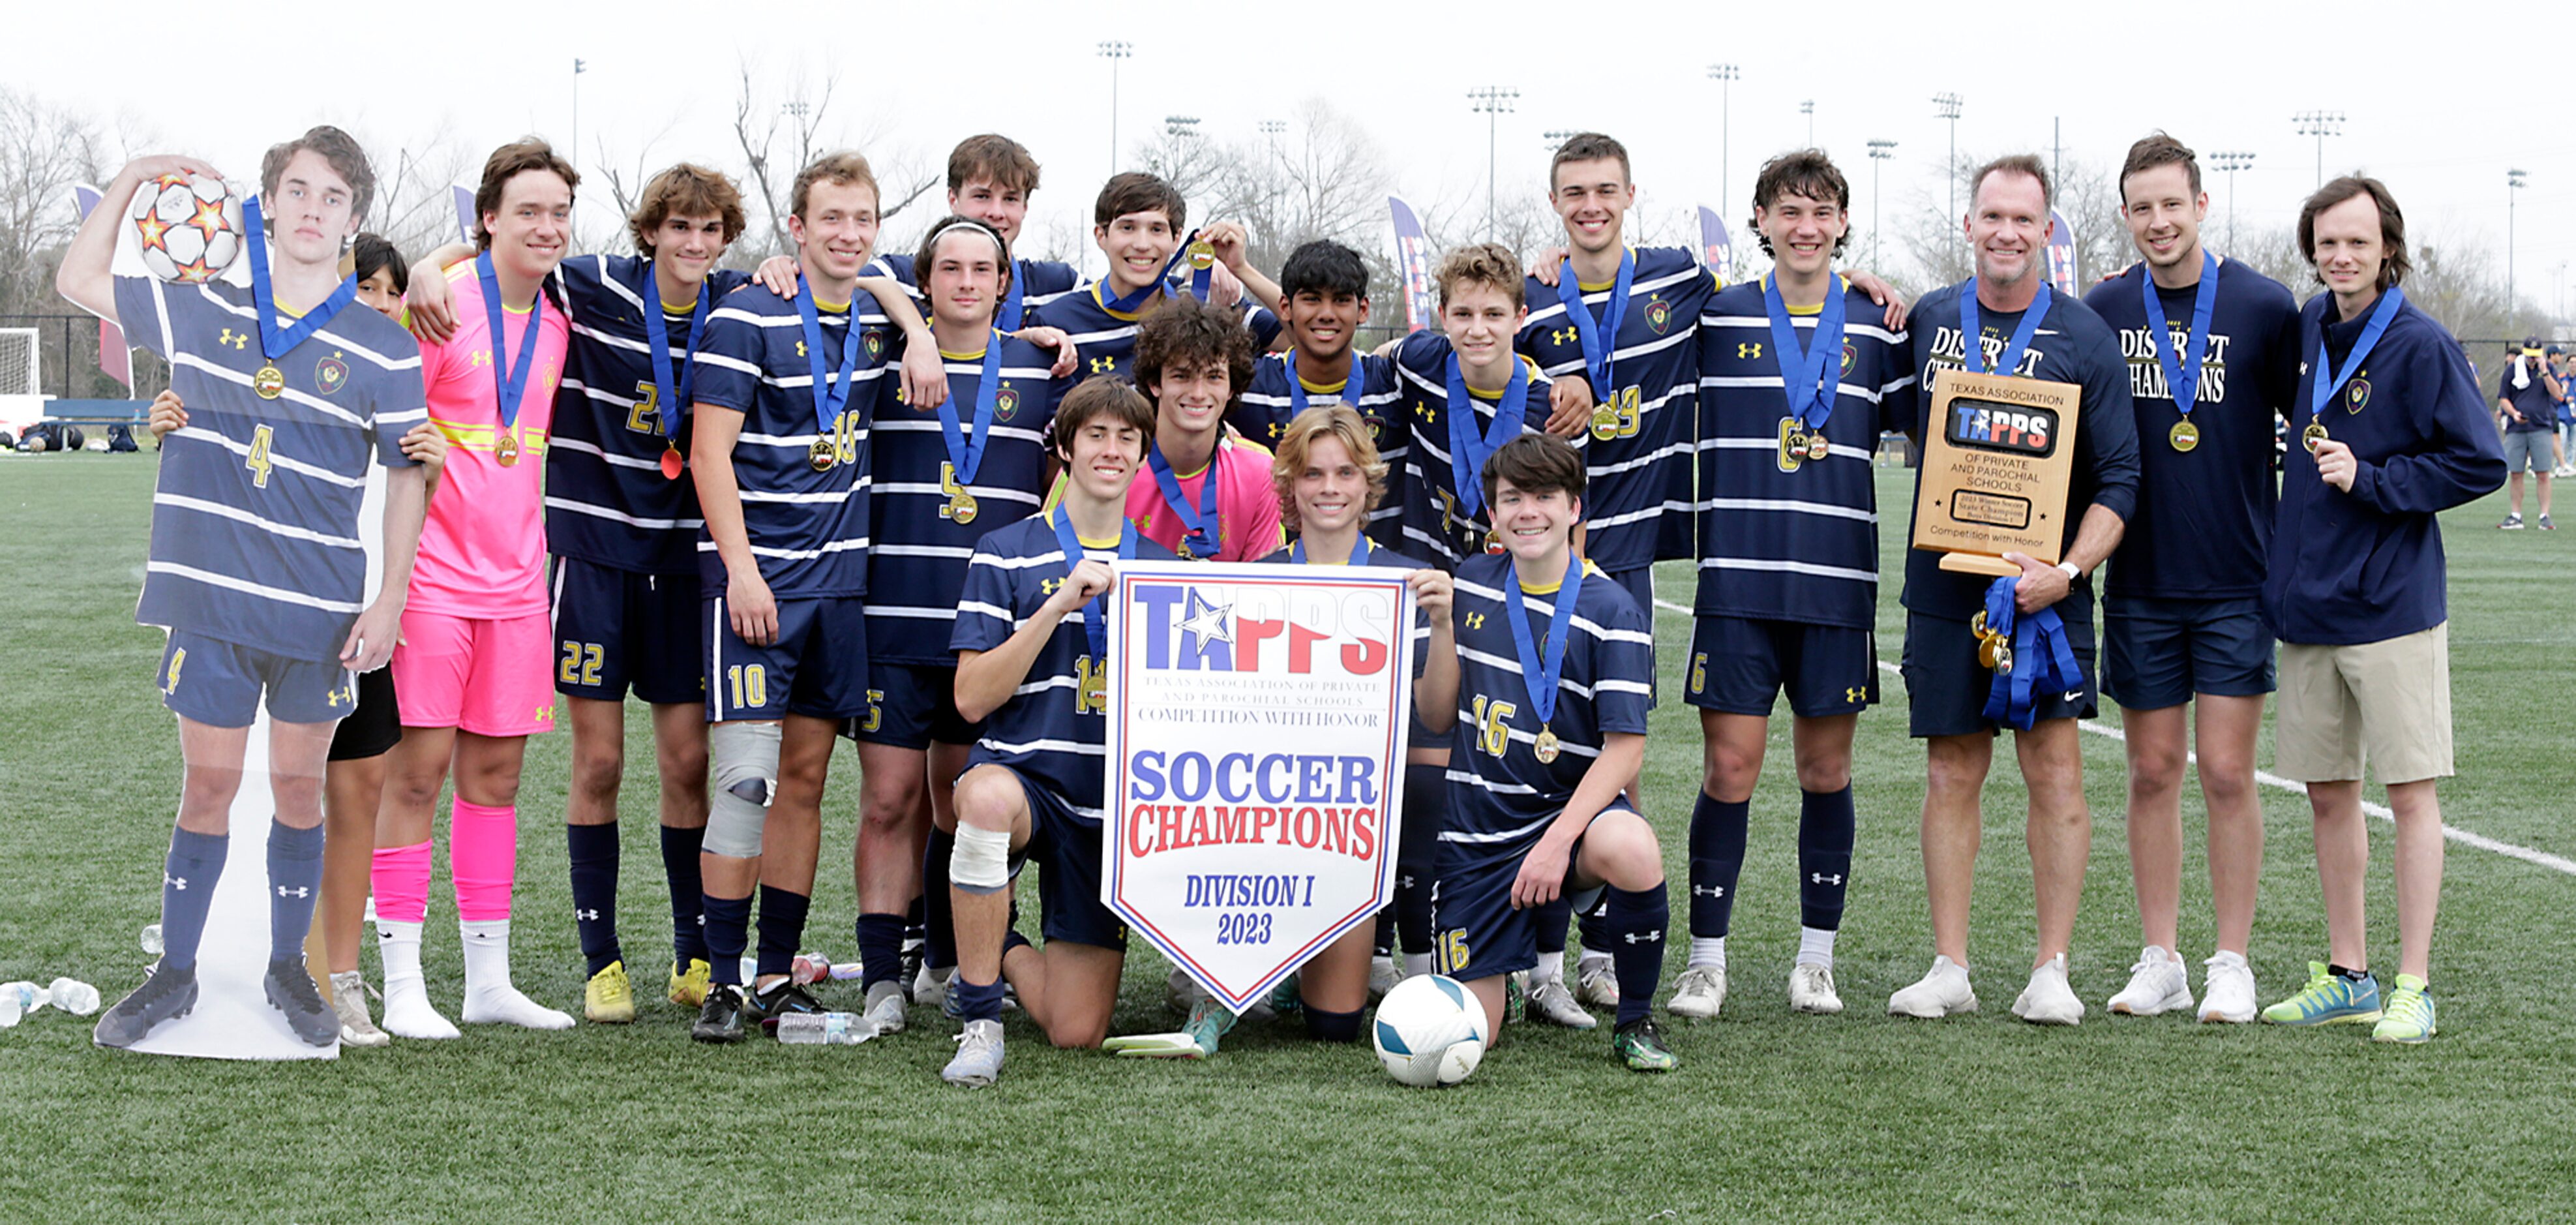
column 610, row 998
column 1641, row 1046
column 689, row 986
column 2328, row 999
column 2410, row 1014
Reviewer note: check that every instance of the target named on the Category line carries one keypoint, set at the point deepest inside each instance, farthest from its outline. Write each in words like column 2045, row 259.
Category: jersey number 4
column 259, row 461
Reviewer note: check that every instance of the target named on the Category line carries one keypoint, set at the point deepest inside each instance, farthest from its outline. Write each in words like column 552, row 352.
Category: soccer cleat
column 908, row 965
column 2157, row 985
column 166, row 994
column 290, row 990
column 1811, row 989
column 1596, row 982
column 2410, row 1011
column 2227, row 990
column 979, row 1056
column 2048, row 1000
column 349, row 1003
column 689, row 986
column 1552, row 1003
column 1698, row 993
column 1641, row 1046
column 1942, row 992
column 885, row 1007
column 720, row 1016
column 781, row 998
column 609, row 999
column 930, row 986
column 2546, row 525
column 2512, row 523
column 1383, row 976
column 2328, row 999
column 1209, row 1023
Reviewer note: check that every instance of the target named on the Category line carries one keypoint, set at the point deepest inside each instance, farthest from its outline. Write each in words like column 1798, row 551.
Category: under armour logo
column 176, row 882
column 585, row 915
column 1404, row 882
column 1422, row 409
column 1103, row 365
column 1276, row 429
column 800, row 348
column 1653, row 937
column 298, row 891
column 1747, row 350
column 482, row 357
column 1822, row 878
column 1475, row 621
column 233, row 338
column 1562, row 336
column 1856, row 694
column 1708, row 891
column 1049, row 586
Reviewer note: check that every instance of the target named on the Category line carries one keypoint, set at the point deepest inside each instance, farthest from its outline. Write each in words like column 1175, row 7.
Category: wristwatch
column 2072, row 574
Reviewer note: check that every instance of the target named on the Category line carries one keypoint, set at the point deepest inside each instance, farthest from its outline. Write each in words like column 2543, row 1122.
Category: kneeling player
column 1556, row 718
column 1032, row 663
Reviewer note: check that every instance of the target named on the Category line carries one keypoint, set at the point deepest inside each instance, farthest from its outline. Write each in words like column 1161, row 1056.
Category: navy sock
column 728, row 932
column 593, row 852
column 294, row 884
column 1014, row 940
column 977, row 1001
column 1382, row 934
column 1637, row 921
column 1325, row 1026
column 188, row 877
column 880, row 948
column 1426, row 800
column 2337, row 971
column 1594, row 926
column 934, row 899
column 782, row 928
column 680, row 849
column 1717, row 837
column 916, row 926
column 1826, row 830
column 1551, row 918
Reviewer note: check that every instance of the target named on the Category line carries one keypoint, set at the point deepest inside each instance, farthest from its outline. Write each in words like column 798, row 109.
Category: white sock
column 1816, row 947
column 1548, row 970
column 408, row 1012
column 1416, row 964
column 1585, row 959
column 1708, row 951
column 1381, row 960
column 489, row 997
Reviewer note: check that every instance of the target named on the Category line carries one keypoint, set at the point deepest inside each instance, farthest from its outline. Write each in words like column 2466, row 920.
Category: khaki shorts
column 2387, row 702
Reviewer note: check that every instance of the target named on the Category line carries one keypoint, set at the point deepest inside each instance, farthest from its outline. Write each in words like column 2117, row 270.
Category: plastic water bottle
column 825, row 1029
column 73, row 996
column 152, row 939
column 20, row 998
column 809, row 969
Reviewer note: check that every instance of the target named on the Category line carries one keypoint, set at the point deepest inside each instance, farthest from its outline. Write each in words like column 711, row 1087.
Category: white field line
column 2526, row 854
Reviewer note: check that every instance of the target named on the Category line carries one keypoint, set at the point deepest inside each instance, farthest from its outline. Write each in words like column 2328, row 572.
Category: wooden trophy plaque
column 1997, row 459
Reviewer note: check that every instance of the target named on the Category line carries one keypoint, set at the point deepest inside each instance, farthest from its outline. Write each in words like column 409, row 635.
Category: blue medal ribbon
column 2321, row 392
column 1600, row 337
column 2043, row 660
column 1540, row 673
column 2183, row 381
column 510, row 386
column 1297, row 386
column 1297, row 552
column 1812, row 376
column 1095, row 619
column 828, row 396
column 1470, row 447
column 1201, row 538
column 674, row 394
column 1009, row 320
column 1126, row 304
column 1971, row 332
column 274, row 341
column 966, row 455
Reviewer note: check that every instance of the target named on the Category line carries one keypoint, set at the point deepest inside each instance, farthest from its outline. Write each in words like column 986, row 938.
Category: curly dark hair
column 1187, row 332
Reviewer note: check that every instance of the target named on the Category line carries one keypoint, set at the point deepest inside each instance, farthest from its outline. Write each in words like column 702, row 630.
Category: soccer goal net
column 18, row 375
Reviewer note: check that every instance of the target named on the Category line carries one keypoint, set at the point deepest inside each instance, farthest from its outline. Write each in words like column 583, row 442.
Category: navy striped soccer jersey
column 808, row 529
column 1501, row 796
column 1435, row 519
column 1040, row 280
column 1263, row 411
column 924, row 531
column 1055, row 727
column 2204, row 522
column 1783, row 538
column 255, row 516
column 607, row 501
column 1637, row 451
column 1106, row 338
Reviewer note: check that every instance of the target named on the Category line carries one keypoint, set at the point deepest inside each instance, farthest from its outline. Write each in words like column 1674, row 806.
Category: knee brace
column 982, row 861
column 744, row 757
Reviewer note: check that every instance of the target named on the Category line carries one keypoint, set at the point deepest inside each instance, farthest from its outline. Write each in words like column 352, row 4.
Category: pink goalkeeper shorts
column 488, row 677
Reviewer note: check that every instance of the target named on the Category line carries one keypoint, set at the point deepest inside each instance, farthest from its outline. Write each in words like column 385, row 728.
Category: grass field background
column 1772, row 1115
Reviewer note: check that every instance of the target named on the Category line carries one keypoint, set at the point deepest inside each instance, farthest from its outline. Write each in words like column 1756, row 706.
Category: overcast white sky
column 2439, row 100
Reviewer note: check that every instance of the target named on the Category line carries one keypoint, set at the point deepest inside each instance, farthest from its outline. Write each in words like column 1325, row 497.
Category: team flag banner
column 1713, row 246
column 464, row 197
column 114, row 359
column 1413, row 260
column 1256, row 761
column 2061, row 254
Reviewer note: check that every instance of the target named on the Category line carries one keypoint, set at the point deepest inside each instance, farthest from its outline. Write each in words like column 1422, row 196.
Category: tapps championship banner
column 1257, row 718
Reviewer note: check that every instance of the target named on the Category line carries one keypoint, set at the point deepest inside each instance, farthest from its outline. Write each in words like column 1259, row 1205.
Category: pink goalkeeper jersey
column 1247, row 504
column 483, row 550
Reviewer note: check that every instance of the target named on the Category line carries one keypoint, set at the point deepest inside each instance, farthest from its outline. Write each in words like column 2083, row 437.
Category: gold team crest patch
column 330, row 374
column 2357, row 396
column 1005, row 403
column 1659, row 314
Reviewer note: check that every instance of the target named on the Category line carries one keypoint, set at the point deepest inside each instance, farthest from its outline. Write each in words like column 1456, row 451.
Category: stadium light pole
column 1879, row 152
column 2513, row 181
column 1725, row 75
column 1493, row 102
column 2319, row 124
column 1271, row 129
column 1114, row 50
column 1946, row 106
column 578, row 66
column 1808, row 109
column 2232, row 161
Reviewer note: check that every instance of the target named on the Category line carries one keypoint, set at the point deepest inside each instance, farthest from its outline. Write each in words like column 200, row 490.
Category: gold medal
column 1605, row 422
column 822, row 455
column 1816, row 448
column 1493, row 541
column 2184, row 436
column 961, row 508
column 671, row 462
column 2311, row 436
column 507, row 450
column 1202, row 255
column 1544, row 746
column 270, row 382
column 2003, row 656
column 1977, row 624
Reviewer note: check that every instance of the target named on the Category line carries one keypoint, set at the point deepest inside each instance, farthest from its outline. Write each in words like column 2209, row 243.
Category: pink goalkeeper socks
column 399, row 877
column 483, row 853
